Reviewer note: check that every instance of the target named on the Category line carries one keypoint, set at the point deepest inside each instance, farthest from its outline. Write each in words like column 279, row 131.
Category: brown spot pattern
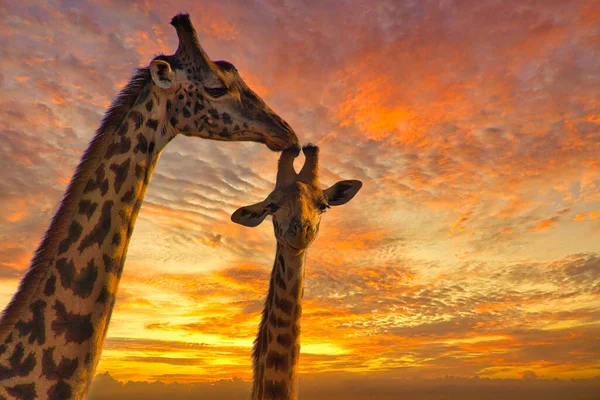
column 276, row 361
column 120, row 171
column 25, row 391
column 17, row 365
column 87, row 208
column 76, row 328
column 35, row 328
column 100, row 231
column 82, row 282
column 100, row 183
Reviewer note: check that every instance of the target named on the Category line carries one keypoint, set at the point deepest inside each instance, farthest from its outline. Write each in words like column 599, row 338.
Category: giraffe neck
column 51, row 334
column 277, row 344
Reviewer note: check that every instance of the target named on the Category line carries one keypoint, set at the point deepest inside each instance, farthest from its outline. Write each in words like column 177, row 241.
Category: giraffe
column 51, row 333
column 296, row 205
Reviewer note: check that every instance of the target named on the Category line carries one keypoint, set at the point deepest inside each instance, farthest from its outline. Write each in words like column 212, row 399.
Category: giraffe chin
column 278, row 145
column 297, row 240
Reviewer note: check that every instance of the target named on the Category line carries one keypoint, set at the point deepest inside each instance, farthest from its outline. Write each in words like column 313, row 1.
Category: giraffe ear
column 251, row 216
column 342, row 192
column 162, row 74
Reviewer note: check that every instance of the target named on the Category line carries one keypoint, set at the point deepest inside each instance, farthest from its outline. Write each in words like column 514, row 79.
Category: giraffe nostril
column 307, row 230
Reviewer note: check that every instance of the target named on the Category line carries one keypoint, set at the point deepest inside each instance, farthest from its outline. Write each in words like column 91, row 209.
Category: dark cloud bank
column 358, row 387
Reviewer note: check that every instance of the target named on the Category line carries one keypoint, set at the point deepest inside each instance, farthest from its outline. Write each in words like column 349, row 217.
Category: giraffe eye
column 216, row 91
column 323, row 207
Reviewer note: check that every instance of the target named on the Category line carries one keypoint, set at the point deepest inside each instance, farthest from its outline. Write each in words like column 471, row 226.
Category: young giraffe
column 296, row 204
column 51, row 334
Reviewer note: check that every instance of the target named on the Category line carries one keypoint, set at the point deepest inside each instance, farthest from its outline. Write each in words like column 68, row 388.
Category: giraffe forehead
column 298, row 193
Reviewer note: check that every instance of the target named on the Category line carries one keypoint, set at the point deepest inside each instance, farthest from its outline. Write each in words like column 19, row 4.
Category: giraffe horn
column 285, row 169
column 310, row 171
column 188, row 39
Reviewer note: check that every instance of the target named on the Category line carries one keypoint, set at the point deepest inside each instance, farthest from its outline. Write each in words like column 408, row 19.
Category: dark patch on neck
column 138, row 119
column 149, row 105
column 103, row 296
column 279, row 281
column 59, row 391
column 276, row 390
column 50, row 286
column 116, row 240
column 64, row 370
column 281, row 263
column 87, row 208
column 128, row 196
column 285, row 340
column 75, row 230
column 17, row 365
column 99, row 183
column 118, row 147
column 283, row 304
column 100, row 231
column 111, row 265
column 152, row 124
column 142, row 145
column 278, row 322
column 36, row 327
column 82, row 282
column 123, row 129
column 276, row 361
column 61, row 373
column 76, row 328
column 120, row 171
column 25, row 391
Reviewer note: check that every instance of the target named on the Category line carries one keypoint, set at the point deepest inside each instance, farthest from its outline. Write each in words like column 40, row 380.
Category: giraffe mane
column 112, row 119
column 258, row 345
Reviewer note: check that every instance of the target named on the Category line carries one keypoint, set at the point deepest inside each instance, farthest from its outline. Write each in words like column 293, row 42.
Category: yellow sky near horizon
column 472, row 249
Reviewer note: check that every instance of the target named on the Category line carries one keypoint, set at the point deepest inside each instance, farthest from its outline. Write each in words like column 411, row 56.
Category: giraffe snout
column 295, row 227
column 300, row 233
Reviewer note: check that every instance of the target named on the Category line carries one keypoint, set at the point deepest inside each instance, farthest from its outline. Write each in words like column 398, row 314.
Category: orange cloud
column 544, row 224
column 587, row 216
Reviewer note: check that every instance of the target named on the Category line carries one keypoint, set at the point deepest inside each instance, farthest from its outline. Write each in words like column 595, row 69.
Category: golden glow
column 472, row 248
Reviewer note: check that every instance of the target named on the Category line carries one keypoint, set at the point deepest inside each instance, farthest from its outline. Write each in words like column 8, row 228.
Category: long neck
column 277, row 344
column 51, row 334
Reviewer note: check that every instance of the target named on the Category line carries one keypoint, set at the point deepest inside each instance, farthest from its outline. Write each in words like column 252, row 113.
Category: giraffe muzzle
column 300, row 235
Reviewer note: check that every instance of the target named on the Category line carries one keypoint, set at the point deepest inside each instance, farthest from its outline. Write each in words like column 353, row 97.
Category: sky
column 472, row 250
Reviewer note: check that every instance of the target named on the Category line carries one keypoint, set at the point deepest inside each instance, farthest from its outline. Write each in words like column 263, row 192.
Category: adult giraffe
column 51, row 333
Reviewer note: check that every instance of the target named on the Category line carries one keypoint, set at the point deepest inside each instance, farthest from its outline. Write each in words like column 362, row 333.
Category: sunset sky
column 472, row 249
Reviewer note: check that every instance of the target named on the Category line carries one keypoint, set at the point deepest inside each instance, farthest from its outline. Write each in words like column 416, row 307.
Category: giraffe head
column 297, row 202
column 210, row 100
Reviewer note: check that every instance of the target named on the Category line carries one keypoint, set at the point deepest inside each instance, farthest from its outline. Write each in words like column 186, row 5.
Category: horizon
column 358, row 388
column 472, row 249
